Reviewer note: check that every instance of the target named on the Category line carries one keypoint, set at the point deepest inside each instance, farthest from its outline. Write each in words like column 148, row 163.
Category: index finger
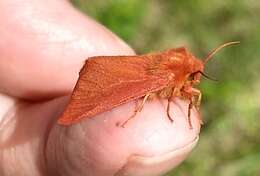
column 42, row 52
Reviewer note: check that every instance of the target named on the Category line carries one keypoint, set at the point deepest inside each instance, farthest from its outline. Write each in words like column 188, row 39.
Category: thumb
column 45, row 45
column 148, row 145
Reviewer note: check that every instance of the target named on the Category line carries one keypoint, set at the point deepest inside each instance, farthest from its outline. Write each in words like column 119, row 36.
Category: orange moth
column 106, row 82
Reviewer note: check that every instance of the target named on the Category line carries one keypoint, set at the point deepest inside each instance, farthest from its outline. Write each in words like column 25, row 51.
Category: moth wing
column 108, row 81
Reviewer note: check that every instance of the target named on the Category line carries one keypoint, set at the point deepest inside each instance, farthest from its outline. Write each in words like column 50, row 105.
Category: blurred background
column 230, row 138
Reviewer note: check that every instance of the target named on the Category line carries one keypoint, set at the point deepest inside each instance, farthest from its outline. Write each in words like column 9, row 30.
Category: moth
column 106, row 82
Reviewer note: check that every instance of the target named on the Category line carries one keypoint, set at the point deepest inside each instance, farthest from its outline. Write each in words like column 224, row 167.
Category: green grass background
column 230, row 139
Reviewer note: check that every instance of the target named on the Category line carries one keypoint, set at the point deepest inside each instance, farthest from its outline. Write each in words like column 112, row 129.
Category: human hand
column 42, row 48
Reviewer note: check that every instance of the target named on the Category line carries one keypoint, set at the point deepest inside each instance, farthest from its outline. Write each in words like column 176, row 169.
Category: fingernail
column 155, row 165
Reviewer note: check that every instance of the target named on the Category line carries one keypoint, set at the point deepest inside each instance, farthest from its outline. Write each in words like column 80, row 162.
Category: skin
column 43, row 45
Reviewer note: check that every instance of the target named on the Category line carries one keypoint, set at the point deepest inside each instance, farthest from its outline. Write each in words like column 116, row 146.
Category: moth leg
column 168, row 104
column 194, row 102
column 137, row 109
column 197, row 93
column 189, row 112
column 140, row 107
column 199, row 100
column 168, row 110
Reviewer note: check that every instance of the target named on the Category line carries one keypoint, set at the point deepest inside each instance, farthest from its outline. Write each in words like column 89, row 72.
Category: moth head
column 197, row 70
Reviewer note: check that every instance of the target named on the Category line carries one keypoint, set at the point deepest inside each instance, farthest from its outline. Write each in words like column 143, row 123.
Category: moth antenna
column 214, row 51
column 207, row 76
